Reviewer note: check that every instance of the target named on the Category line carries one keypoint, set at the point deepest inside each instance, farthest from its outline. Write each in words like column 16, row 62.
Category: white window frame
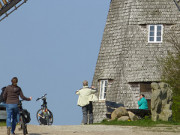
column 155, row 34
column 103, row 89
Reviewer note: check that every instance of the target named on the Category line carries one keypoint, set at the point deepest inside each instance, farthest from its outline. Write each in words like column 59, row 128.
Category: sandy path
column 97, row 130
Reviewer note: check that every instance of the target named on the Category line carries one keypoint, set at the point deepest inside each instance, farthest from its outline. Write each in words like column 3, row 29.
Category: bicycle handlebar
column 44, row 96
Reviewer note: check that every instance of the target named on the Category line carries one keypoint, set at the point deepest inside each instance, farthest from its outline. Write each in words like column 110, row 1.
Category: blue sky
column 52, row 46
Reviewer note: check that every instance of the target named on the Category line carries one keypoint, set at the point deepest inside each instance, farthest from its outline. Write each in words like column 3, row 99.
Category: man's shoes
column 8, row 130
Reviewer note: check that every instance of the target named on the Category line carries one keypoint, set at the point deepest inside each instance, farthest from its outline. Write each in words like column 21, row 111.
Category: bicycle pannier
column 26, row 115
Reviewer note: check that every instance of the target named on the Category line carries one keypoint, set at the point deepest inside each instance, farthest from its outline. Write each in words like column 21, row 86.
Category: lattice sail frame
column 10, row 7
column 177, row 3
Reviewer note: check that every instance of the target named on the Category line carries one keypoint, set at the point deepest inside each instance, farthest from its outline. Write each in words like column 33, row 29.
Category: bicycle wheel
column 23, row 125
column 44, row 117
column 40, row 117
column 49, row 117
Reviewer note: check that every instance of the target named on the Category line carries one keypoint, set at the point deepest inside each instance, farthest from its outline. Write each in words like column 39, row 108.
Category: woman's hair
column 143, row 95
column 14, row 78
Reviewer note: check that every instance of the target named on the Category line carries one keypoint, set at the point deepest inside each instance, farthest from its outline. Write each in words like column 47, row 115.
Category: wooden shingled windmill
column 135, row 36
column 7, row 7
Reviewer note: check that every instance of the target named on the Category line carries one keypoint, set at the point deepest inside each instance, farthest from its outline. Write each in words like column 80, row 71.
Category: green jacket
column 142, row 103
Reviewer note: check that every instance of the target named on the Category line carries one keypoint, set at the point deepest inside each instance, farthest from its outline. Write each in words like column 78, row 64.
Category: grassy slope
column 2, row 123
column 143, row 122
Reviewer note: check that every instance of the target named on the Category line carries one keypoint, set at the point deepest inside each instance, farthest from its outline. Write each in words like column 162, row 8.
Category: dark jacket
column 12, row 93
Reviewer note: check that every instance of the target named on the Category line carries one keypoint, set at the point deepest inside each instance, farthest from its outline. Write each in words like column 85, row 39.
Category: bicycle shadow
column 34, row 134
column 37, row 134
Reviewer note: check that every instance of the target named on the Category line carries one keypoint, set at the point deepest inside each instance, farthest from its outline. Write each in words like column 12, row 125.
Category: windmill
column 7, row 7
column 135, row 36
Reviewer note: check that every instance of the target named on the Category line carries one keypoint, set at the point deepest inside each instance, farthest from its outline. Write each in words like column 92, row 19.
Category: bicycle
column 44, row 115
column 24, row 118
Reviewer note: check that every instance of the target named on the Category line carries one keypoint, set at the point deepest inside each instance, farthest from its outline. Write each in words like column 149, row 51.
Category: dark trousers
column 87, row 113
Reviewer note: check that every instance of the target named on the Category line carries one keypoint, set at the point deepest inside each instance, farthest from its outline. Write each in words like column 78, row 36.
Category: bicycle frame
column 44, row 105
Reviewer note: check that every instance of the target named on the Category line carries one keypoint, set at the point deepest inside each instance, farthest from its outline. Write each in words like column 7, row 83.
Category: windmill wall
column 126, row 59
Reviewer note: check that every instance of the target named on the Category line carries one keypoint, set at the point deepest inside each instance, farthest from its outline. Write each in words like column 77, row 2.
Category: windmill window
column 103, row 89
column 145, row 87
column 155, row 33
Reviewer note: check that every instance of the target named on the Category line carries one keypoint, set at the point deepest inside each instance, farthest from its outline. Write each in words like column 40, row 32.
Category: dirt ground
column 97, row 130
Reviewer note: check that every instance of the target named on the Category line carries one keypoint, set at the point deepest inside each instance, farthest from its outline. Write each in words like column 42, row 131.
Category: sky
column 52, row 46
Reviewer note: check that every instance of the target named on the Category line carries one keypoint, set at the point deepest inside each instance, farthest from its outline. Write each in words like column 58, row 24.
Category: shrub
column 170, row 67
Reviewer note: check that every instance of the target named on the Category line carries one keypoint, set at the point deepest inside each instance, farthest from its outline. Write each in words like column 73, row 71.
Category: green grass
column 2, row 123
column 143, row 122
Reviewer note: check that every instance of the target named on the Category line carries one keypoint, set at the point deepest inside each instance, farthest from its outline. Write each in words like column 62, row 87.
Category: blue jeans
column 12, row 111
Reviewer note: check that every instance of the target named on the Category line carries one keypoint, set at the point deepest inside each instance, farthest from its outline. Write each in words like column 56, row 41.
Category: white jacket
column 86, row 95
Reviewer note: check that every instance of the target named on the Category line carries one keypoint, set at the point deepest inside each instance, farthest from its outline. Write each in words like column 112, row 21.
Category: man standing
column 11, row 96
column 86, row 96
column 142, row 103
